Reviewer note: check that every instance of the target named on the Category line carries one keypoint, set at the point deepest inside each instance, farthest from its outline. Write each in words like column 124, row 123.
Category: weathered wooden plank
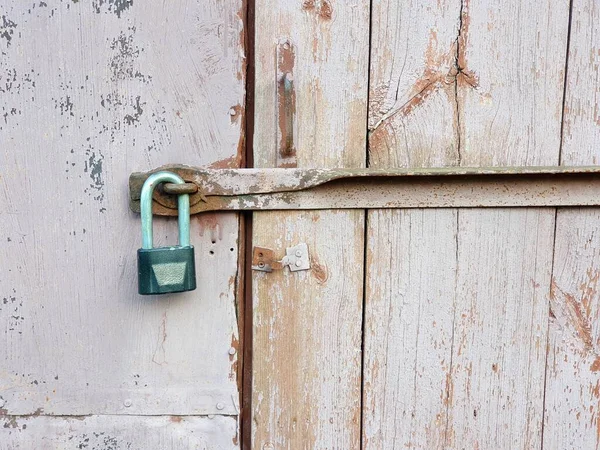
column 90, row 92
column 412, row 106
column 119, row 433
column 411, row 264
column 572, row 388
column 496, row 113
column 496, row 387
column 511, row 61
column 412, row 121
column 315, row 403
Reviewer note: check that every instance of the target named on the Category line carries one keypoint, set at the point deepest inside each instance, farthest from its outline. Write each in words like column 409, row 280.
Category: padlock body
column 166, row 269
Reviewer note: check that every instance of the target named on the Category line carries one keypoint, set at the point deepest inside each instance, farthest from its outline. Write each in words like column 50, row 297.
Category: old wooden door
column 91, row 91
column 442, row 328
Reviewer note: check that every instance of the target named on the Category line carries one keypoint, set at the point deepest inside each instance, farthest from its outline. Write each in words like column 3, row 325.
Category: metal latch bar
column 292, row 189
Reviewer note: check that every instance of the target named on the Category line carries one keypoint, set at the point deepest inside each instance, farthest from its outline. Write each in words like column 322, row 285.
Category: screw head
column 261, row 264
column 232, row 351
column 127, row 403
column 220, row 406
column 298, row 253
column 298, row 263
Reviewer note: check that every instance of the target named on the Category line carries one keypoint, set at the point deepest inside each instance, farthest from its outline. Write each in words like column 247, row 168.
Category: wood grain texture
column 496, row 387
column 573, row 380
column 119, row 433
column 511, row 62
column 92, row 91
column 411, row 278
column 306, row 369
column 412, row 106
column 307, row 333
column 482, row 101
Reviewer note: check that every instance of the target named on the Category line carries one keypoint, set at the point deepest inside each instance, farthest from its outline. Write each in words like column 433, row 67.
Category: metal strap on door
column 294, row 189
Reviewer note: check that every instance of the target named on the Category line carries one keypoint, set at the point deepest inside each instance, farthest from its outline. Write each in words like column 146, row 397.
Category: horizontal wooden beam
column 452, row 187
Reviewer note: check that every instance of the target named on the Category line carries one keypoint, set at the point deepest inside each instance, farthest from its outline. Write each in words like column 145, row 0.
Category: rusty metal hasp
column 296, row 258
column 296, row 189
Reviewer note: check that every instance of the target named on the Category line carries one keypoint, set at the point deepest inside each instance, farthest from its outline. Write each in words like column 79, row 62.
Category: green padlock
column 165, row 269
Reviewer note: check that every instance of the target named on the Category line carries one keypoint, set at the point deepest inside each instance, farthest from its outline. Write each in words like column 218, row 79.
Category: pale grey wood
column 119, row 433
column 319, row 407
column 411, row 278
column 92, row 91
column 412, row 106
column 510, row 85
column 496, row 384
column 573, row 380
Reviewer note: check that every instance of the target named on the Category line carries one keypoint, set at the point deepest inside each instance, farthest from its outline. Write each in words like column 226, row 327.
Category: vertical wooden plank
column 500, row 330
column 511, row 63
column 411, row 277
column 91, row 91
column 411, row 254
column 495, row 99
column 412, row 104
column 510, row 82
column 573, row 382
column 307, row 326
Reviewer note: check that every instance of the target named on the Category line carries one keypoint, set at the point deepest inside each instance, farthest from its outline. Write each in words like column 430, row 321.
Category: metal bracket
column 298, row 189
column 296, row 258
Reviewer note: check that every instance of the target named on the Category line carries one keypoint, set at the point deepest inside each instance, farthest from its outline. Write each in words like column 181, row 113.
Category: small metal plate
column 297, row 258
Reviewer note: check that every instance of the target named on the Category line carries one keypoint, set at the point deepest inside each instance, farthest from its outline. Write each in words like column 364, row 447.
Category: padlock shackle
column 183, row 202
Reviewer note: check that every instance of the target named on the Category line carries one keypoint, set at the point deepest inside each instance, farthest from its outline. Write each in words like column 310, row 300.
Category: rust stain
column 326, row 10
column 175, row 419
column 286, row 104
column 233, row 372
column 576, row 316
column 595, row 367
column 318, row 270
column 308, row 5
column 235, row 113
column 228, row 163
column 209, row 222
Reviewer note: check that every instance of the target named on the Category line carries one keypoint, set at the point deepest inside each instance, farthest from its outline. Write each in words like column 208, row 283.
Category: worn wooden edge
column 311, row 189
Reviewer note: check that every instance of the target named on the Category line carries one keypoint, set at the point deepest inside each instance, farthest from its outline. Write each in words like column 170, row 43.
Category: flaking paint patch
column 125, row 55
column 7, row 30
column 116, row 7
column 574, row 315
